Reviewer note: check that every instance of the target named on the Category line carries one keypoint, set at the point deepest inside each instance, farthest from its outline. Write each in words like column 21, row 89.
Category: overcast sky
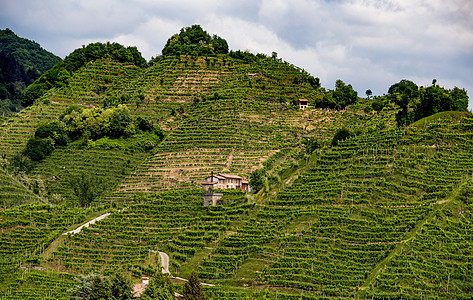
column 368, row 43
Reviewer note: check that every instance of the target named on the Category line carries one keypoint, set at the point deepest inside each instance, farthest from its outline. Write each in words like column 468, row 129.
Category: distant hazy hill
column 21, row 62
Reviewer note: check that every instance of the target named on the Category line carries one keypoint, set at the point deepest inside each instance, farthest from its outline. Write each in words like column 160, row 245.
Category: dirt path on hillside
column 77, row 230
column 164, row 262
column 229, row 160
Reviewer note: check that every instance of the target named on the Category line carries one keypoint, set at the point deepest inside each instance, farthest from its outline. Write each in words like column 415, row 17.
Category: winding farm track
column 78, row 229
column 165, row 262
column 163, row 256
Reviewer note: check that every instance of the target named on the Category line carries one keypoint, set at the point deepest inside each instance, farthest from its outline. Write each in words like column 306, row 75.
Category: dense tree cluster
column 21, row 62
column 58, row 76
column 28, row 53
column 246, row 56
column 192, row 289
column 160, row 287
column 416, row 103
column 86, row 124
column 98, row 287
column 195, row 41
column 95, row 123
column 341, row 97
column 257, row 179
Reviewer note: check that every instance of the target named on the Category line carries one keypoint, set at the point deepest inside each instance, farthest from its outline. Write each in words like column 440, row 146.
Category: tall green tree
column 83, row 287
column 159, row 288
column 121, row 286
column 459, row 99
column 86, row 187
column 257, row 179
column 343, row 95
column 38, row 149
column 219, row 44
column 193, row 289
column 404, row 93
column 100, row 289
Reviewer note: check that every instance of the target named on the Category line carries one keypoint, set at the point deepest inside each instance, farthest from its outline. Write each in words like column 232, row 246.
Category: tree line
column 118, row 286
column 21, row 62
column 81, row 125
column 59, row 75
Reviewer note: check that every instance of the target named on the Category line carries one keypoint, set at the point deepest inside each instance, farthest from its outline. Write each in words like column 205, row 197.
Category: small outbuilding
column 303, row 103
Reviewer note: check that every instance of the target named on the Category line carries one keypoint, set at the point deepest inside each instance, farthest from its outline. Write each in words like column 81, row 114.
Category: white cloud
column 151, row 36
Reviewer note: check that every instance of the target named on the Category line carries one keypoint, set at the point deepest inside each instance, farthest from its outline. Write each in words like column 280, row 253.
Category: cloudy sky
column 368, row 43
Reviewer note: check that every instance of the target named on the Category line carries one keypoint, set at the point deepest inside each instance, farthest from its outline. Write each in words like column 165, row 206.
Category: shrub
column 37, row 149
column 257, row 179
column 54, row 130
column 340, row 135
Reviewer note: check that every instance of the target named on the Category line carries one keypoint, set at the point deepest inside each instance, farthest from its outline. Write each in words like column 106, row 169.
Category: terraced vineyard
column 384, row 214
column 173, row 222
column 386, row 189
column 13, row 192
column 109, row 167
column 26, row 232
column 88, row 87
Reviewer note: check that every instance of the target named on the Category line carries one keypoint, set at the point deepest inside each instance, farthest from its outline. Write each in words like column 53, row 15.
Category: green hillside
column 383, row 213
column 21, row 62
column 28, row 53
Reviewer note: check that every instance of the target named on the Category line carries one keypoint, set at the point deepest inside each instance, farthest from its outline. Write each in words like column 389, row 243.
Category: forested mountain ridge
column 349, row 202
column 28, row 53
column 21, row 62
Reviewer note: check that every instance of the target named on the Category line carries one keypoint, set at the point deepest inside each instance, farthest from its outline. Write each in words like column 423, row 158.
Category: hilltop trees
column 195, row 41
column 341, row 97
column 59, row 75
column 416, row 103
column 434, row 99
column 344, row 94
column 403, row 94
column 21, row 62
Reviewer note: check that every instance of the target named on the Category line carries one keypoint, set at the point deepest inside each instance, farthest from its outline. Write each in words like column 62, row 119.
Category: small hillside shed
column 303, row 103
